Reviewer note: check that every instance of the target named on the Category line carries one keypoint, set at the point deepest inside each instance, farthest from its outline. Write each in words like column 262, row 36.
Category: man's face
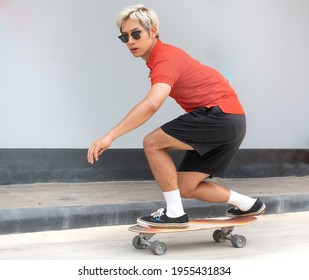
column 139, row 47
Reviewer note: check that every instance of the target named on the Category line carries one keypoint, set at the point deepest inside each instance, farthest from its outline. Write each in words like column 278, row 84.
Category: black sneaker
column 258, row 208
column 160, row 220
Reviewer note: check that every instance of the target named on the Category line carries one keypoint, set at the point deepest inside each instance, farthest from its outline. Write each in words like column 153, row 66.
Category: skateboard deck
column 224, row 229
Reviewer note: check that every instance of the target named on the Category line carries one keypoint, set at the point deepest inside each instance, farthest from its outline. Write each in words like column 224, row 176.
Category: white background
column 66, row 79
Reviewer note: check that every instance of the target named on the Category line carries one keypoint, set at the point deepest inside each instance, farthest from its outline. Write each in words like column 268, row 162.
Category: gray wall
column 66, row 79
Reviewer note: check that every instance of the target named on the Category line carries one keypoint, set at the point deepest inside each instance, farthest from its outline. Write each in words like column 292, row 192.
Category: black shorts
column 215, row 137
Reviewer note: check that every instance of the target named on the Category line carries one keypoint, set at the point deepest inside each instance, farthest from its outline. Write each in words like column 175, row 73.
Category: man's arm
column 140, row 113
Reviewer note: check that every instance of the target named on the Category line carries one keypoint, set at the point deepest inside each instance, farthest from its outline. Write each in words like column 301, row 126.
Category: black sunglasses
column 135, row 35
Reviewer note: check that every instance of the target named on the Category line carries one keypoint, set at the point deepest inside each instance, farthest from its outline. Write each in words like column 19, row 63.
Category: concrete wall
column 66, row 79
column 25, row 166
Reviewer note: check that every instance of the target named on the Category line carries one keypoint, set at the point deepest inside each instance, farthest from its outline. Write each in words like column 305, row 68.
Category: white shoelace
column 158, row 213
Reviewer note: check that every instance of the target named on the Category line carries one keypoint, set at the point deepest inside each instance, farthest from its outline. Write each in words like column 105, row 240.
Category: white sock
column 243, row 202
column 174, row 206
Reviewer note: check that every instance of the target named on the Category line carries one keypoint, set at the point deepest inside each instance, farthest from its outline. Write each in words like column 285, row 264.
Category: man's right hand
column 98, row 147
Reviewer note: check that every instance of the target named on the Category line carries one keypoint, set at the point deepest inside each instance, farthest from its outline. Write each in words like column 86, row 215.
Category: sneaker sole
column 162, row 226
column 257, row 213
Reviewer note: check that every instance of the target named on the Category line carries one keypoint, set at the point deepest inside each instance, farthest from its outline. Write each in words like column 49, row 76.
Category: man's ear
column 153, row 32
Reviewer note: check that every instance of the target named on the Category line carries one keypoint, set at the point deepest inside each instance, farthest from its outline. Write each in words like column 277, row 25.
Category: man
column 210, row 132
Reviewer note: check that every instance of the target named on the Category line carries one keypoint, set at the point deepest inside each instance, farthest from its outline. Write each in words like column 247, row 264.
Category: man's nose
column 131, row 40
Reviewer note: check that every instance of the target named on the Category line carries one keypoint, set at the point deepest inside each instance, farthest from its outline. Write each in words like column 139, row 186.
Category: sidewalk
column 59, row 206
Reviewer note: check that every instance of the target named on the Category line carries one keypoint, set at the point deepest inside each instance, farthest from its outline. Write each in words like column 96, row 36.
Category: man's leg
column 156, row 146
column 191, row 184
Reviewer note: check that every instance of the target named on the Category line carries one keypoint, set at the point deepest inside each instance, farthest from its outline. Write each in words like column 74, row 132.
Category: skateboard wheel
column 219, row 236
column 137, row 244
column 238, row 241
column 158, row 248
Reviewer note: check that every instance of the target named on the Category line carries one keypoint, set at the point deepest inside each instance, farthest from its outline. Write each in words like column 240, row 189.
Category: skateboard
column 223, row 231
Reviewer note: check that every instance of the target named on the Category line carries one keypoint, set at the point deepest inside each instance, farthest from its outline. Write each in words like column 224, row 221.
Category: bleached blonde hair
column 147, row 17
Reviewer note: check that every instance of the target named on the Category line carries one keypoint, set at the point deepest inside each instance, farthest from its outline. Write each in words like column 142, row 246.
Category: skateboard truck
column 220, row 235
column 141, row 242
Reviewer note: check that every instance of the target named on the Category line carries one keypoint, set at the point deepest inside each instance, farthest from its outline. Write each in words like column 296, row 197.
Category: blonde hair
column 147, row 17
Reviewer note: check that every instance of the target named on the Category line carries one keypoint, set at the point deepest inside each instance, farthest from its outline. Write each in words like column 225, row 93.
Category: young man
column 210, row 132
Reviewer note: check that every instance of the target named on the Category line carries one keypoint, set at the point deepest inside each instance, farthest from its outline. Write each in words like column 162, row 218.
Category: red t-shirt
column 194, row 85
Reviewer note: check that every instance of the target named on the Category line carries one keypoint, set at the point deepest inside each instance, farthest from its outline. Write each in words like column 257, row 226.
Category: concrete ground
column 272, row 237
column 81, row 226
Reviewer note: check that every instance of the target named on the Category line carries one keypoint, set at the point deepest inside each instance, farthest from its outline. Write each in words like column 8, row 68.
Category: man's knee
column 186, row 189
column 185, row 193
column 188, row 183
column 154, row 141
column 148, row 142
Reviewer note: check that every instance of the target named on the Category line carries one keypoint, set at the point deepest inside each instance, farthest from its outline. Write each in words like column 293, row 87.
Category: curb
column 23, row 220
